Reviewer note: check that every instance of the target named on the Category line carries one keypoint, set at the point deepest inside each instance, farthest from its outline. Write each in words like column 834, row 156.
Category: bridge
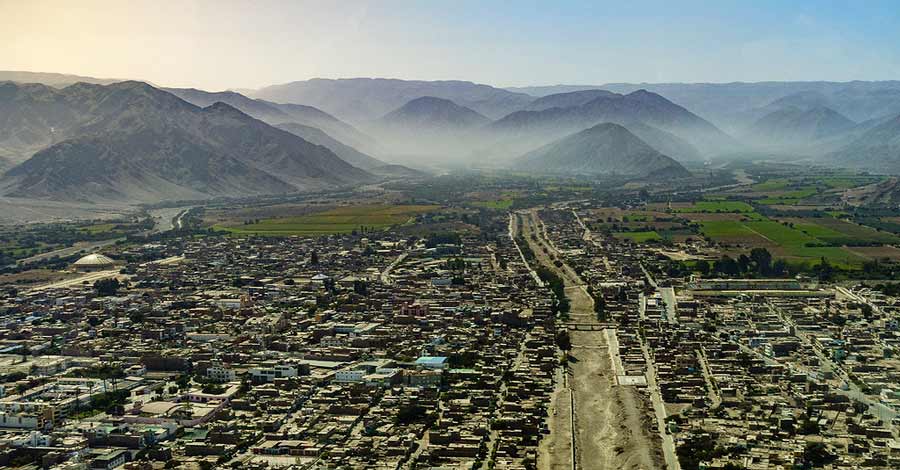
column 589, row 326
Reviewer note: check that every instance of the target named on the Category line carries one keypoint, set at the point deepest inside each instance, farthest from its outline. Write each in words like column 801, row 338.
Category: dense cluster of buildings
column 387, row 351
column 329, row 352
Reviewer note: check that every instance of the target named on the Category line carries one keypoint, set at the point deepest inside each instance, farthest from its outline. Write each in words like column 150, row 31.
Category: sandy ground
column 555, row 451
column 614, row 427
column 615, row 424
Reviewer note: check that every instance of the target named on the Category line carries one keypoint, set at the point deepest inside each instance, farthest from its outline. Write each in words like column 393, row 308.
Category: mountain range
column 876, row 149
column 640, row 106
column 278, row 113
column 99, row 139
column 131, row 142
column 367, row 99
column 731, row 105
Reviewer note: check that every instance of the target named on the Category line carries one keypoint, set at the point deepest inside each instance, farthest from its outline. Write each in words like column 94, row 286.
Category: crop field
column 877, row 252
column 715, row 206
column 782, row 240
column 638, row 237
column 338, row 220
column 839, row 232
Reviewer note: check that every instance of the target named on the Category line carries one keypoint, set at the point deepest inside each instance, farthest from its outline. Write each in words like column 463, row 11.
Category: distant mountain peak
column 434, row 112
column 225, row 109
column 604, row 149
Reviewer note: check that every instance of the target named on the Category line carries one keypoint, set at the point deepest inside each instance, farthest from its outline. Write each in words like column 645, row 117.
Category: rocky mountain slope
column 131, row 142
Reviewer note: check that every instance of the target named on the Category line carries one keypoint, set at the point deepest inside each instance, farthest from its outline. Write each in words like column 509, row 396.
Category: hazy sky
column 221, row 44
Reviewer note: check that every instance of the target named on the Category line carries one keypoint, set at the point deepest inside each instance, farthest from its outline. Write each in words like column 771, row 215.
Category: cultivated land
column 338, row 220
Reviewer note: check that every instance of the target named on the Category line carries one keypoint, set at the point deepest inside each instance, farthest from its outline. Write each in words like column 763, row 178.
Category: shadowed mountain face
column 365, row 99
column 277, row 113
column 877, row 149
column 345, row 152
column 605, row 149
column 666, row 142
column 639, row 106
column 130, row 142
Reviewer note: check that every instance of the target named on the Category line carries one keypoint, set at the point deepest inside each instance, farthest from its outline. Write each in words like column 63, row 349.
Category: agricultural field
column 713, row 207
column 782, row 240
column 839, row 232
column 638, row 237
column 343, row 219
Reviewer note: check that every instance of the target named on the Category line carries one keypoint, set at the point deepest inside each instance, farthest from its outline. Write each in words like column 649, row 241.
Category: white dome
column 94, row 260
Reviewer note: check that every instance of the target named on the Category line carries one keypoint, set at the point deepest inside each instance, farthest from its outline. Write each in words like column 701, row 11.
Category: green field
column 338, row 220
column 638, row 237
column 785, row 241
column 717, row 206
column 725, row 229
column 838, row 232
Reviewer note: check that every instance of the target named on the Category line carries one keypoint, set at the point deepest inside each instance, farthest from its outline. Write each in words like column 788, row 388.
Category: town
column 542, row 341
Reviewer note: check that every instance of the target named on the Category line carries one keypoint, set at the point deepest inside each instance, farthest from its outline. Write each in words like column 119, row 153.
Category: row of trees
column 555, row 283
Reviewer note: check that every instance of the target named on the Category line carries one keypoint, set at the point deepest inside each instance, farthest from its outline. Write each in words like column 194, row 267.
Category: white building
column 220, row 373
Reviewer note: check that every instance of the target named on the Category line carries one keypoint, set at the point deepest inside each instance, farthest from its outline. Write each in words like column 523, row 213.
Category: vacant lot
column 338, row 220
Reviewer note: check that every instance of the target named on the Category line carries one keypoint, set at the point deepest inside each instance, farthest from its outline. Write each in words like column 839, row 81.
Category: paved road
column 513, row 232
column 386, row 274
column 671, row 303
column 668, row 297
column 88, row 247
column 89, row 278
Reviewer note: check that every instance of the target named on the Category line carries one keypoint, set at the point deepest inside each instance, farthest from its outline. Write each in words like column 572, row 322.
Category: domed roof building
column 94, row 262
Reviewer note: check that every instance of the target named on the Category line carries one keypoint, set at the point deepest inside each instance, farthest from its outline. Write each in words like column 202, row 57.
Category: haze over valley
column 65, row 138
column 426, row 235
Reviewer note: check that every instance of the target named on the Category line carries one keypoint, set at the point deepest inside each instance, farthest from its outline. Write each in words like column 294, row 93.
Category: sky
column 222, row 44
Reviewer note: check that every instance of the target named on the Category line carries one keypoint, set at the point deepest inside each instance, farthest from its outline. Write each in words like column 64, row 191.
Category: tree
column 779, row 267
column 563, row 340
column 600, row 307
column 743, row 263
column 106, row 287
column 826, row 271
column 726, row 265
column 314, row 258
column 360, row 287
column 702, row 267
column 762, row 259
column 816, row 455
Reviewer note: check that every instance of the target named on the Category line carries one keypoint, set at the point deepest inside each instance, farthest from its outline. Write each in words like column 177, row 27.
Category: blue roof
column 431, row 360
